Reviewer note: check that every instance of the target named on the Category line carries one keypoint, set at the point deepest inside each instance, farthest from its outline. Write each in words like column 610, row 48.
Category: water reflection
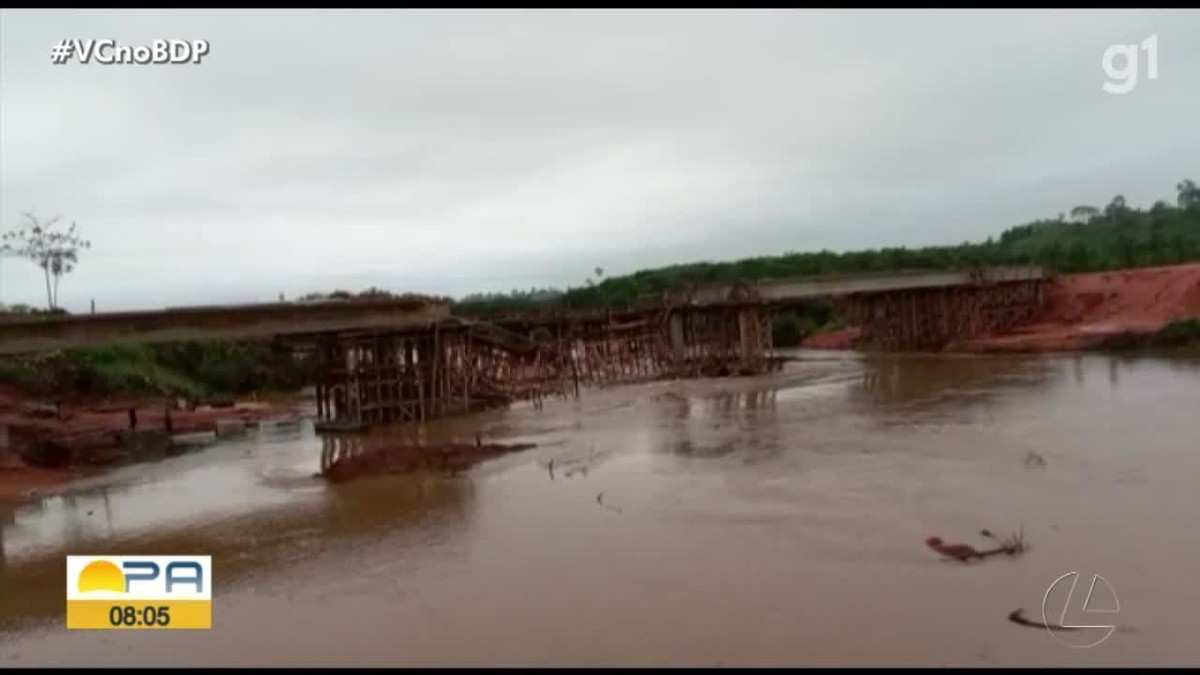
column 910, row 390
column 425, row 508
column 1117, row 366
column 297, row 516
column 713, row 425
column 337, row 448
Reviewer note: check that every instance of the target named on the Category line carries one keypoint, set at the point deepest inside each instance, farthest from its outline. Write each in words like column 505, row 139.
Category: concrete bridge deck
column 268, row 321
column 792, row 290
column 228, row 322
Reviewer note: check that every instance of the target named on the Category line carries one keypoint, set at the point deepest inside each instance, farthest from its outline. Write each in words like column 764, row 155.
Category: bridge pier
column 373, row 378
column 932, row 318
column 677, row 339
column 754, row 334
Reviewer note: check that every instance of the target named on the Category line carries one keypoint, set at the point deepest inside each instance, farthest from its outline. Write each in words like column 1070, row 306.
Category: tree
column 1084, row 213
column 1189, row 195
column 1115, row 208
column 55, row 252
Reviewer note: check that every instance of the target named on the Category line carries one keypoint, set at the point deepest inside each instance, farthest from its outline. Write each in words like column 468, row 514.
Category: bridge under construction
column 401, row 360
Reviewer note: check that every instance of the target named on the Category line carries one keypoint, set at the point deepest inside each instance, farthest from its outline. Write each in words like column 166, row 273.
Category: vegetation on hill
column 371, row 293
column 1087, row 239
column 1183, row 334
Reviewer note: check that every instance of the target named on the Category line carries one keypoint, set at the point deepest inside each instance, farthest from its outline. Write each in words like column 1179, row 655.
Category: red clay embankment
column 93, row 425
column 843, row 338
column 1088, row 311
column 1083, row 311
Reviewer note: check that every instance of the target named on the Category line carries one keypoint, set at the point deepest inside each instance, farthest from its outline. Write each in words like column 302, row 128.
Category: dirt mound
column 844, row 338
column 19, row 481
column 1083, row 311
column 1086, row 311
column 1136, row 299
column 63, row 437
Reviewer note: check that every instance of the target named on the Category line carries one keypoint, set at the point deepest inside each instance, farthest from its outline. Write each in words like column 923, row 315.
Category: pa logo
column 1084, row 610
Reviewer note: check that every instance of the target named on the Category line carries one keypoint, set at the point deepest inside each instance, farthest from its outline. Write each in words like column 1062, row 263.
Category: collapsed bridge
column 401, row 360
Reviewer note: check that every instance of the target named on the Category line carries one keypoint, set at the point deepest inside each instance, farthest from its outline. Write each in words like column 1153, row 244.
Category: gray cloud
column 458, row 151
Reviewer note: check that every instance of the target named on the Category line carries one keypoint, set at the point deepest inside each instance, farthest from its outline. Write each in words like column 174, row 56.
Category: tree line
column 1088, row 238
column 1085, row 239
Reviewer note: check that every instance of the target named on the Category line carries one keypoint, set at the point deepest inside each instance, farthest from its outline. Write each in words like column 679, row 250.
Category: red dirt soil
column 95, row 422
column 1083, row 311
column 845, row 338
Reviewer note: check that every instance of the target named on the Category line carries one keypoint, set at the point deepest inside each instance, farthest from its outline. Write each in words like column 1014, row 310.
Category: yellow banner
column 143, row 614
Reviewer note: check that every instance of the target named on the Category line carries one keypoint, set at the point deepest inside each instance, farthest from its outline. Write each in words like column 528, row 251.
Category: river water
column 762, row 521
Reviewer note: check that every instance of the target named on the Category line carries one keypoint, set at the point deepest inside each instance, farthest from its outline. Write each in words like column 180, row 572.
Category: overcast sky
column 451, row 152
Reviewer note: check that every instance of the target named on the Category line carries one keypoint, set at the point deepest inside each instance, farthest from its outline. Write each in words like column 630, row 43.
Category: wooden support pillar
column 347, row 359
column 377, row 366
column 677, row 339
column 747, row 324
column 468, row 371
column 321, row 367
column 423, row 360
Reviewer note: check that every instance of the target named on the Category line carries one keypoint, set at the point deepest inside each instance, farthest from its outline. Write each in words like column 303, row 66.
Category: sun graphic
column 101, row 575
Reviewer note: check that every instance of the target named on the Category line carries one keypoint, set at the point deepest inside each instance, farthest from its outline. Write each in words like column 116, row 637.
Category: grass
column 198, row 371
column 129, row 370
column 17, row 373
column 1184, row 333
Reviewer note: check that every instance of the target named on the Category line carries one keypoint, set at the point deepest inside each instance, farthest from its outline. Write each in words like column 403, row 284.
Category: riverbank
column 788, row 493
column 96, row 429
column 1124, row 308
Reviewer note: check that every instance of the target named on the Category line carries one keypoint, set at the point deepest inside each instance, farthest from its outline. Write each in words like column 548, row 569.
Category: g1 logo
column 1124, row 79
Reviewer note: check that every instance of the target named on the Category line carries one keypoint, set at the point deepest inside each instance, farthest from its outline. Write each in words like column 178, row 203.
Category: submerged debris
column 1018, row 617
column 450, row 457
column 1034, row 459
column 610, row 507
column 1015, row 544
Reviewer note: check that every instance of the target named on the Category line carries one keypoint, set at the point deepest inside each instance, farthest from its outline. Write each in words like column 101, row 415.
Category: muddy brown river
column 766, row 521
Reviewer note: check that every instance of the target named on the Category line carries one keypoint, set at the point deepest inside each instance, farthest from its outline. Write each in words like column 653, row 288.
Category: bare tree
column 55, row 252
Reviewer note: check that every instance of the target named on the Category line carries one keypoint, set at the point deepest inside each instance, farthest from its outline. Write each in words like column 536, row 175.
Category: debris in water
column 449, row 457
column 1014, row 545
column 600, row 501
column 1034, row 459
column 960, row 552
column 1018, row 617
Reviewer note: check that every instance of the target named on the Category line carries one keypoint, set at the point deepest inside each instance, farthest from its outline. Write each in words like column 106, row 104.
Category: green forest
column 1087, row 238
